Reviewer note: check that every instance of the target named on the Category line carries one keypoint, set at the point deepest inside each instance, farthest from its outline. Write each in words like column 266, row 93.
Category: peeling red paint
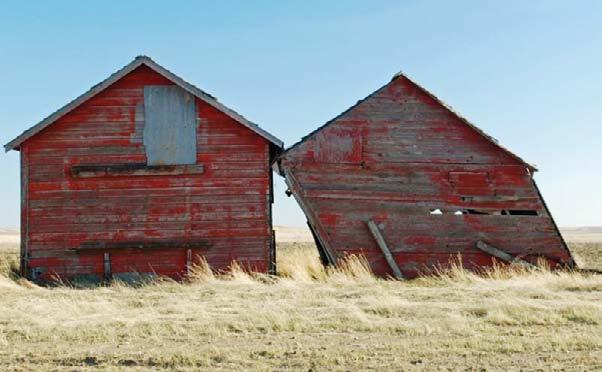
column 432, row 182
column 227, row 205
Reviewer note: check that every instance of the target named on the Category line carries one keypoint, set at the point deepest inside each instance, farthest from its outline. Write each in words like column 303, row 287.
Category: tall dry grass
column 308, row 317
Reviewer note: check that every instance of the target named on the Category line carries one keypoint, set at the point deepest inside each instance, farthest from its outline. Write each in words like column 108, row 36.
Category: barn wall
column 433, row 185
column 221, row 213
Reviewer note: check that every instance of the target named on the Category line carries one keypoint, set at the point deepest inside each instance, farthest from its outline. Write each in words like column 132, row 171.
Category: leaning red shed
column 404, row 180
column 140, row 175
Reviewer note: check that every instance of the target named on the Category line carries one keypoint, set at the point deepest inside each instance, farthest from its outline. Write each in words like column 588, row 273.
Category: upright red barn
column 142, row 174
column 410, row 184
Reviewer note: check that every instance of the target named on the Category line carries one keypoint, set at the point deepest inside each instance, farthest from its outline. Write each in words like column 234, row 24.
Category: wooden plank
column 309, row 213
column 107, row 266
column 116, row 183
column 24, row 254
column 188, row 260
column 323, row 255
column 238, row 243
column 572, row 262
column 133, row 169
column 272, row 269
column 502, row 255
column 385, row 249
column 142, row 245
column 120, row 231
column 138, row 202
column 227, row 207
column 272, row 254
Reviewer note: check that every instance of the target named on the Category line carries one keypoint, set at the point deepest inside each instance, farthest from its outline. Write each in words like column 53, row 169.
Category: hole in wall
column 522, row 212
column 482, row 212
column 477, row 211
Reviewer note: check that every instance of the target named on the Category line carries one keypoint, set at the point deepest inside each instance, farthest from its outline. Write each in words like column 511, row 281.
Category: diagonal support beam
column 385, row 249
column 496, row 252
column 314, row 222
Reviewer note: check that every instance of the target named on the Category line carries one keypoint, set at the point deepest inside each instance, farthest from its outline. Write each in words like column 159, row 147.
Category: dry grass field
column 308, row 319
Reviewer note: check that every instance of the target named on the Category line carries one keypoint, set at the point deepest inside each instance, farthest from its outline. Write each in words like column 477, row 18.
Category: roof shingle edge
column 138, row 61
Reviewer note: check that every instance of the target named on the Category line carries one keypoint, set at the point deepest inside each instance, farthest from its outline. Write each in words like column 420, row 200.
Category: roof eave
column 531, row 167
column 137, row 62
column 467, row 122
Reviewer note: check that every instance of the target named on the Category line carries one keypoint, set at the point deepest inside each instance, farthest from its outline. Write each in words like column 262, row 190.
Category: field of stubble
column 308, row 319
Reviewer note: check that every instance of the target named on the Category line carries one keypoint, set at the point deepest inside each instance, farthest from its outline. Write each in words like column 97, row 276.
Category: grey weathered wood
column 385, row 249
column 269, row 201
column 573, row 263
column 188, row 260
column 272, row 253
column 138, row 134
column 24, row 213
column 149, row 244
column 107, row 265
column 321, row 251
column 137, row 62
column 502, row 255
column 373, row 116
column 119, row 170
column 169, row 125
column 309, row 213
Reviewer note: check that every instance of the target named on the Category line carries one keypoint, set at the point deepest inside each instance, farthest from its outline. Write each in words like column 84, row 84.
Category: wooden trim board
column 380, row 240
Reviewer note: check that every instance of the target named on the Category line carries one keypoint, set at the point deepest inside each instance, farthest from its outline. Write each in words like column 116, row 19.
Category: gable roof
column 445, row 105
column 137, row 62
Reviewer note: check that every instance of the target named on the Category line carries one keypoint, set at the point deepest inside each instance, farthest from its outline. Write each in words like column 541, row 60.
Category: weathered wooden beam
column 107, row 265
column 188, row 260
column 572, row 262
column 158, row 244
column 24, row 249
column 312, row 219
column 385, row 249
column 496, row 252
column 272, row 270
column 133, row 169
column 323, row 255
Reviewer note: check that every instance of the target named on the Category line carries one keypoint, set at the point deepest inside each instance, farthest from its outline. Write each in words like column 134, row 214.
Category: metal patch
column 170, row 126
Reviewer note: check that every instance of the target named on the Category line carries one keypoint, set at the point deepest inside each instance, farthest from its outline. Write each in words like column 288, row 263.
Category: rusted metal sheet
column 433, row 183
column 88, row 190
column 169, row 125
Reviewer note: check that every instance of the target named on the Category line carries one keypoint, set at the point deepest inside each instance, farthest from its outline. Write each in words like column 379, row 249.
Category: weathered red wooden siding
column 226, row 209
column 399, row 155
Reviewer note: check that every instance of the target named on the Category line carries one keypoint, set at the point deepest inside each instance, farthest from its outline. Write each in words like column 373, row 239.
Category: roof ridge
column 427, row 92
column 481, row 132
column 137, row 62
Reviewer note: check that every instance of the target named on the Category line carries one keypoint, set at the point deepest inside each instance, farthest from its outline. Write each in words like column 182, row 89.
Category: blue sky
column 527, row 72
